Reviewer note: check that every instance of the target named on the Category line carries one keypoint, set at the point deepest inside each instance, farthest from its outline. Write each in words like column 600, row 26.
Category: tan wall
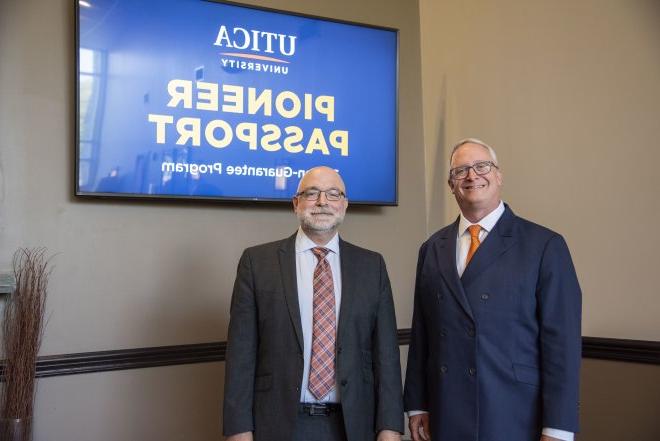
column 567, row 92
column 131, row 274
column 619, row 401
column 570, row 86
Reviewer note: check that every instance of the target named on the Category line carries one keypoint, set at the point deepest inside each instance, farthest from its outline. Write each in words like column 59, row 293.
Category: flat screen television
column 202, row 99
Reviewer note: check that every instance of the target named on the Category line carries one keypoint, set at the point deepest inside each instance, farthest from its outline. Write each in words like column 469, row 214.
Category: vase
column 15, row 429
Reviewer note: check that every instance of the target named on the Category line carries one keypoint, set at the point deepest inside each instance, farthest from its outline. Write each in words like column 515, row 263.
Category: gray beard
column 307, row 223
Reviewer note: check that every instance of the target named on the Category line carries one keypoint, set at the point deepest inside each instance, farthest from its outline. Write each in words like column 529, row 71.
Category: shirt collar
column 304, row 243
column 487, row 223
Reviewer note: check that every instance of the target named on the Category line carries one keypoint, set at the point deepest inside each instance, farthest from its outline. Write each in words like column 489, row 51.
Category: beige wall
column 568, row 86
column 137, row 274
column 619, row 401
column 568, row 94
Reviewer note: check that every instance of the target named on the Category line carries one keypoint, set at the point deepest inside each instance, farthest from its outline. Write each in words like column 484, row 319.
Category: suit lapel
column 445, row 251
column 348, row 277
column 498, row 241
column 287, row 257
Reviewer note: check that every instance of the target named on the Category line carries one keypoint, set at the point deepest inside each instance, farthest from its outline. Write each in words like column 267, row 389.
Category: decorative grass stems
column 23, row 328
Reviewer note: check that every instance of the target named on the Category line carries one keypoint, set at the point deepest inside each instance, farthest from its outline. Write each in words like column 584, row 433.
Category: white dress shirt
column 463, row 240
column 305, row 264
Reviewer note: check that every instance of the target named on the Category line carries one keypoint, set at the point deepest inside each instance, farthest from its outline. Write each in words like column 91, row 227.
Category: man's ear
column 451, row 187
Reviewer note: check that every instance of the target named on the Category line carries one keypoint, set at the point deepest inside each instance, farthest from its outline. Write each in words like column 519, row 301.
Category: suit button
column 443, row 369
column 441, row 296
column 472, row 371
column 443, row 332
column 339, row 349
column 471, row 332
column 484, row 296
column 344, row 382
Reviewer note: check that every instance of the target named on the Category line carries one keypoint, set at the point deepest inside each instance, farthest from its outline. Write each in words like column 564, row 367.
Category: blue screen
column 199, row 99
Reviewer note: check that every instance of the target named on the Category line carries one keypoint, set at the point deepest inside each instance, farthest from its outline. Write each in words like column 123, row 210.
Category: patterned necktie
column 474, row 242
column 322, row 364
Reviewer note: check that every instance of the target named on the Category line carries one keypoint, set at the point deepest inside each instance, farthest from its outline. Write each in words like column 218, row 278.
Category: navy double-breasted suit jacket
column 495, row 354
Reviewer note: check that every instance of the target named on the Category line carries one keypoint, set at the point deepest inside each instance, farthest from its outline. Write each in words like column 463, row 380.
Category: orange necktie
column 474, row 242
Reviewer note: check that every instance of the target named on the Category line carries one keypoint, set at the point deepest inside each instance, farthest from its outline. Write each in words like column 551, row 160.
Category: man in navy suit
column 496, row 343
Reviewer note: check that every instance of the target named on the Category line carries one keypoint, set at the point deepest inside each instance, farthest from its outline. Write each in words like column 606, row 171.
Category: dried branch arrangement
column 23, row 329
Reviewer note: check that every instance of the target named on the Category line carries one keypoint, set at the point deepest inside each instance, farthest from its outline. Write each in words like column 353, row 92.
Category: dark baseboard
column 637, row 351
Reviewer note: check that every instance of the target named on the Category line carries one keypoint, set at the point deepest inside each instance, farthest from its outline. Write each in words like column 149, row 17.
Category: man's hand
column 388, row 435
column 549, row 438
column 245, row 436
column 419, row 427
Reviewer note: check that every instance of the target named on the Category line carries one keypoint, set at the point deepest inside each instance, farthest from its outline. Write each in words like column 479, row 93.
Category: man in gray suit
column 312, row 352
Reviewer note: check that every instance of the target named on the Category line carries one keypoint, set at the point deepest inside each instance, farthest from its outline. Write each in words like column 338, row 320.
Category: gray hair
column 473, row 141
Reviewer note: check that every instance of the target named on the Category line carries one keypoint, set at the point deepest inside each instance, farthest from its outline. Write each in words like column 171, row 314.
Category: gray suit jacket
column 264, row 362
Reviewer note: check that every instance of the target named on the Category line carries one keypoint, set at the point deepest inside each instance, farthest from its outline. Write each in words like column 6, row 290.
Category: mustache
column 321, row 212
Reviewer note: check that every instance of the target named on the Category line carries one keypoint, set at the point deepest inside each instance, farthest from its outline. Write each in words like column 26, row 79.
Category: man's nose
column 322, row 200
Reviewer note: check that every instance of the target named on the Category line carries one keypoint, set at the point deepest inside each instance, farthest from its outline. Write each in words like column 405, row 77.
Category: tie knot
column 474, row 230
column 320, row 252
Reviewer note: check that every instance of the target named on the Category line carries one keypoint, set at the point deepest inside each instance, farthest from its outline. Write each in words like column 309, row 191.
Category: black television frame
column 224, row 199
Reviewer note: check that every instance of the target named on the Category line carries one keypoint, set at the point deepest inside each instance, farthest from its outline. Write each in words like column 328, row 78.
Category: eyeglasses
column 313, row 194
column 480, row 168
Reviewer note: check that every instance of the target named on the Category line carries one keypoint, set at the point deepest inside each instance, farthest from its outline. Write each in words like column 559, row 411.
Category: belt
column 319, row 409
